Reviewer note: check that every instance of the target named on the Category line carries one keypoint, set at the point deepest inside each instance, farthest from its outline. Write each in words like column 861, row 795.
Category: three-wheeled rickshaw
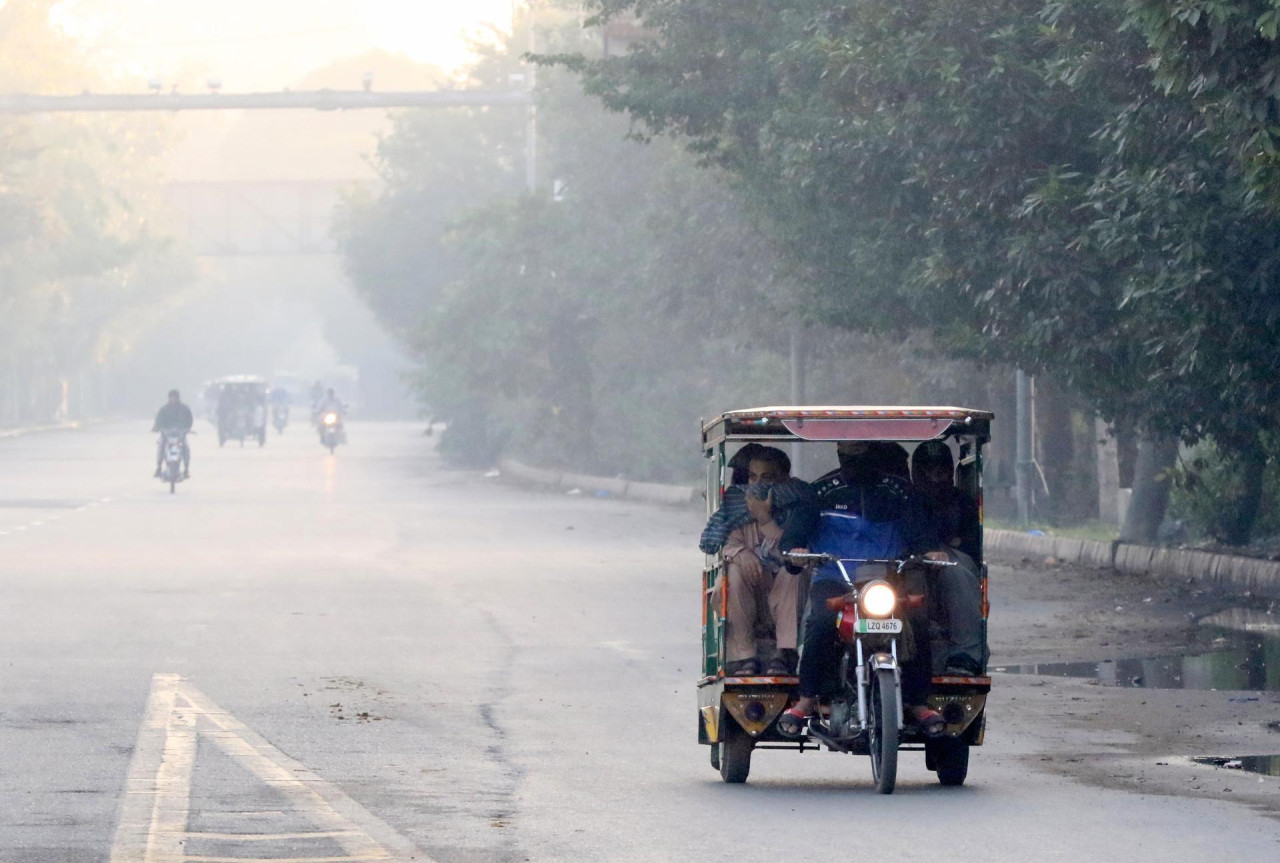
column 863, row 712
column 241, row 412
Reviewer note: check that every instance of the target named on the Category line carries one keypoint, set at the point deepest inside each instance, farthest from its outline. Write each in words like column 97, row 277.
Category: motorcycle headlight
column 877, row 599
column 330, row 419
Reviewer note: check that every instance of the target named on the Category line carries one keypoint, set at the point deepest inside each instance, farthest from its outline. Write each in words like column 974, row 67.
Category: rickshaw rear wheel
column 884, row 731
column 733, row 752
column 950, row 759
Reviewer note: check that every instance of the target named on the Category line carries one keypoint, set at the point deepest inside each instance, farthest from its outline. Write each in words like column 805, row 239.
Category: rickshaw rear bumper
column 962, row 701
column 753, row 703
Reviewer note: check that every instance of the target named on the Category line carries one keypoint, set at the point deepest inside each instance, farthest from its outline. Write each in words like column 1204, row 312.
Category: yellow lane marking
column 156, row 809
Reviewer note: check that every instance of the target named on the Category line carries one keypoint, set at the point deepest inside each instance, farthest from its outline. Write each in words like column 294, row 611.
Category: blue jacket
column 846, row 536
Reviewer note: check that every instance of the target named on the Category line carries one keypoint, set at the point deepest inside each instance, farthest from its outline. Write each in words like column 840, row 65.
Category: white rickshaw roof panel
column 847, row 422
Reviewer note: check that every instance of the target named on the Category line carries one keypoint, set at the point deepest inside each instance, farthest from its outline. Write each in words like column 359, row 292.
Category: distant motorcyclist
column 279, row 399
column 174, row 416
column 330, row 402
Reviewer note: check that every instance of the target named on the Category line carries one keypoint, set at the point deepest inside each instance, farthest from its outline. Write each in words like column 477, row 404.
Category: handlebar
column 898, row 562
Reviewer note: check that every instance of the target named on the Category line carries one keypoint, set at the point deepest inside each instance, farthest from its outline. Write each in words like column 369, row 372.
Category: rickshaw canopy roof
column 247, row 381
column 847, row 422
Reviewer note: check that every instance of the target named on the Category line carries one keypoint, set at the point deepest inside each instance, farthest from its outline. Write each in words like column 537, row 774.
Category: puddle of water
column 1267, row 765
column 1231, row 661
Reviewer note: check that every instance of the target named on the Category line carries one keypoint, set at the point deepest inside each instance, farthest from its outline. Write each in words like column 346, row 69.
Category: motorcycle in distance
column 280, row 417
column 866, row 714
column 332, row 431
column 173, row 441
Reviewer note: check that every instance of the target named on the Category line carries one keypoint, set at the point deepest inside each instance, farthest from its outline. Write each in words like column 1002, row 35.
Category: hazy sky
column 268, row 44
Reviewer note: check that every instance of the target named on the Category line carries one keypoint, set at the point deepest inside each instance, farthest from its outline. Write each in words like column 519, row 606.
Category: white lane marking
column 156, row 809
column 625, row 648
column 278, row 859
column 143, row 788
column 204, row 859
column 270, row 837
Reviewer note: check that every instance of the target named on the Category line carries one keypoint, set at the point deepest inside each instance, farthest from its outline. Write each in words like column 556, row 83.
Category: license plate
column 869, row 625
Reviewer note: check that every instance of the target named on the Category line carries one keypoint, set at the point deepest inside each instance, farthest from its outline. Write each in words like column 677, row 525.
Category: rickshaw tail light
column 877, row 599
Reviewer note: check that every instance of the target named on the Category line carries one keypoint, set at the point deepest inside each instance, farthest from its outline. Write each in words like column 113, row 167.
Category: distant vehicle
column 884, row 602
column 279, row 398
column 331, row 429
column 242, row 409
column 171, row 467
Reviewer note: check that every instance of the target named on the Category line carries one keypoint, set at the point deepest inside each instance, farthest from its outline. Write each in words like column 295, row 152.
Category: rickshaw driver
column 754, row 570
column 869, row 512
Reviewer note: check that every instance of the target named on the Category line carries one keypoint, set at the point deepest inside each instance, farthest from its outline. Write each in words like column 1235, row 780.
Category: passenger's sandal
column 792, row 723
column 930, row 721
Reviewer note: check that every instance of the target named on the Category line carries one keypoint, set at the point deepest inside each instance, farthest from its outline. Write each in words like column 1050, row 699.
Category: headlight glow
column 330, row 419
column 877, row 599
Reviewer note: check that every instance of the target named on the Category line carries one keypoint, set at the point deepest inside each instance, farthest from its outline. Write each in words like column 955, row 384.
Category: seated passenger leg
column 959, row 590
column 740, row 623
column 784, row 597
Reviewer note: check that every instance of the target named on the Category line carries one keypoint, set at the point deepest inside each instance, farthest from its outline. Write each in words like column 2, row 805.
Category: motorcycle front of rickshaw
column 897, row 639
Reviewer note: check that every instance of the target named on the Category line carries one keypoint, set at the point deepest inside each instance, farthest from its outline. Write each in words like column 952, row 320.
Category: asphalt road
column 307, row 657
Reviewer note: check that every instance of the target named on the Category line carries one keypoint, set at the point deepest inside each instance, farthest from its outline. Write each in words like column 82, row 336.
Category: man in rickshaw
column 770, row 514
column 869, row 511
column 953, row 513
column 955, row 591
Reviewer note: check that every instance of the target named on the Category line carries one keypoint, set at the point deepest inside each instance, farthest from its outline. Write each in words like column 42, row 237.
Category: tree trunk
column 1108, row 473
column 1253, row 465
column 1156, row 455
column 1055, row 434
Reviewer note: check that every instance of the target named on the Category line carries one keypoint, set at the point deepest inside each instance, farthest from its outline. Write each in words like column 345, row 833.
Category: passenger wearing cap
column 955, row 592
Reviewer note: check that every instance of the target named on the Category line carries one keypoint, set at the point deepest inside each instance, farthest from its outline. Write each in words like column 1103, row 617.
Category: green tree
column 80, row 264
column 1225, row 56
column 1004, row 174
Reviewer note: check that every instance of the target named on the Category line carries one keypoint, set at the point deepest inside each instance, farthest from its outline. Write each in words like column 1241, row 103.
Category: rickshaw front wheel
column 732, row 755
column 884, row 730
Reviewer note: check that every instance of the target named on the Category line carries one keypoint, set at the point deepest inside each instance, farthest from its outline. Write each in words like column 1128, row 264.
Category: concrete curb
column 1225, row 570
column 649, row 492
column 8, row 434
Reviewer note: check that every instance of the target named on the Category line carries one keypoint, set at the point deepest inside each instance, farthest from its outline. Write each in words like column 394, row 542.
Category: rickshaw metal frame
column 808, row 424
